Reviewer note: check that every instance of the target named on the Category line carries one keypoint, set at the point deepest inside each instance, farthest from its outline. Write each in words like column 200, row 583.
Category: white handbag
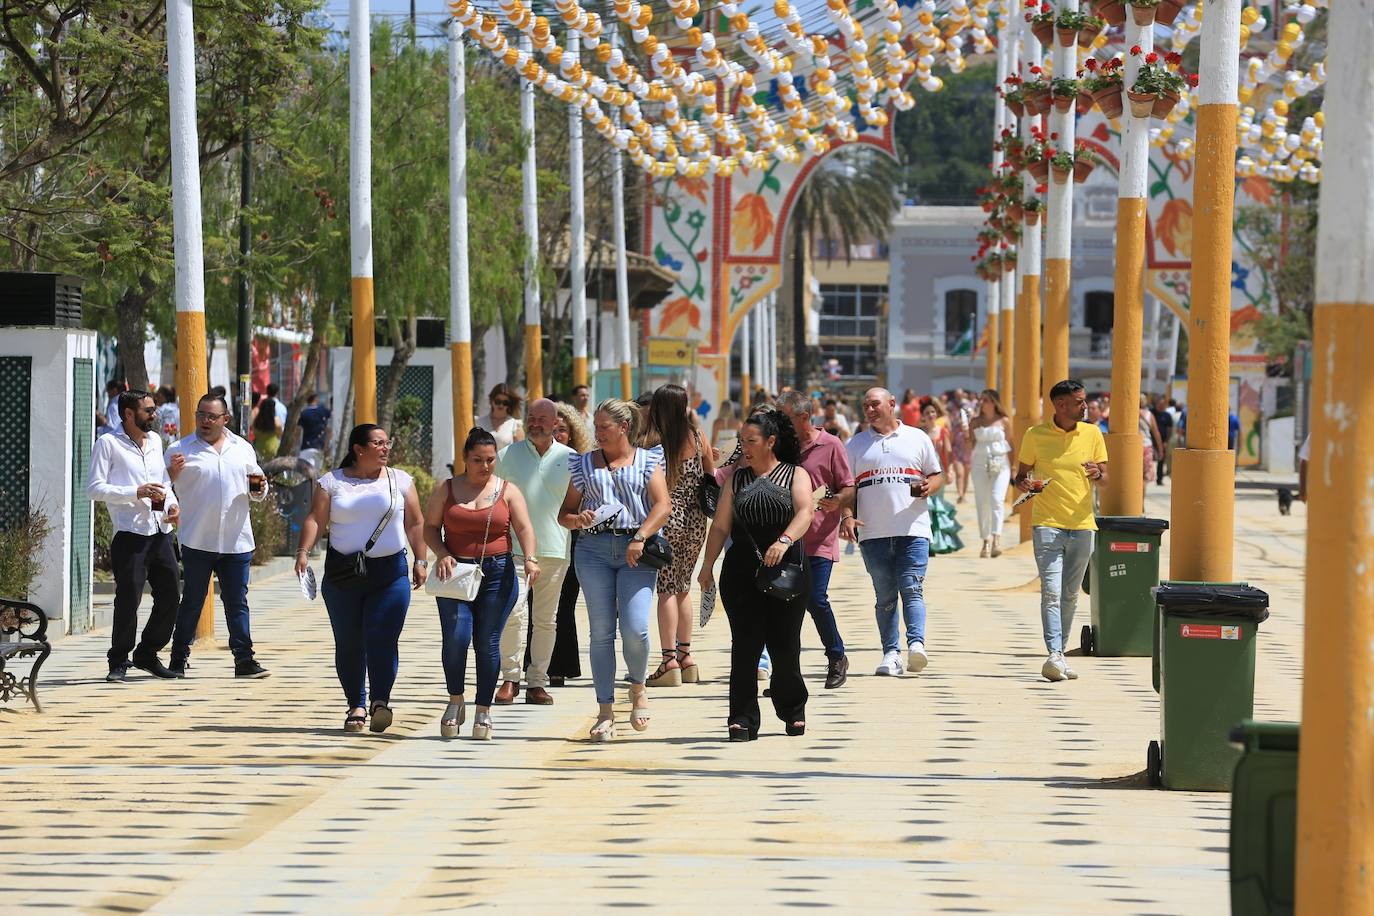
column 466, row 580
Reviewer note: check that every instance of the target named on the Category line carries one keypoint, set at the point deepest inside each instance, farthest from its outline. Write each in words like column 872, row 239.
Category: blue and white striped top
column 628, row 486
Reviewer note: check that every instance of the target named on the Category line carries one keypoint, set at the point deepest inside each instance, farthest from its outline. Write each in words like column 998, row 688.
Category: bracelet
column 303, row 550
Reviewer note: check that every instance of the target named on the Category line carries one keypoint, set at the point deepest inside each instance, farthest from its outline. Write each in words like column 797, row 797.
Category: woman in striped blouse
column 766, row 510
column 618, row 497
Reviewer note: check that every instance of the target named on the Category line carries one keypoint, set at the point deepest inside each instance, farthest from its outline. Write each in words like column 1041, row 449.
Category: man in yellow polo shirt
column 1061, row 461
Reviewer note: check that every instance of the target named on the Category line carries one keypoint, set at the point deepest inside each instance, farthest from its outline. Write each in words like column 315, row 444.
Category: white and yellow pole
column 577, row 254
column 1028, row 303
column 360, row 210
column 1009, row 38
column 1123, row 494
column 622, row 281
column 187, row 237
column 1059, row 232
column 534, row 354
column 1335, row 843
column 746, row 394
column 1203, row 498
column 459, row 303
column 993, row 309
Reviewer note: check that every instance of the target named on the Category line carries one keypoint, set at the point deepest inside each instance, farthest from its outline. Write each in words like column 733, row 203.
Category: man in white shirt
column 582, row 401
column 211, row 470
column 539, row 467
column 128, row 475
column 895, row 468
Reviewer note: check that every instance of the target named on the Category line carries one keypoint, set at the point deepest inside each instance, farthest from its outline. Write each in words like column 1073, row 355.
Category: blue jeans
column 819, row 605
column 1061, row 556
column 897, row 566
column 367, row 626
column 232, row 571
column 615, row 591
column 478, row 623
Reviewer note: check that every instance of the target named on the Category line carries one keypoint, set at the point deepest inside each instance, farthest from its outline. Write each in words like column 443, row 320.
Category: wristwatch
column 784, row 539
column 637, row 538
column 424, row 563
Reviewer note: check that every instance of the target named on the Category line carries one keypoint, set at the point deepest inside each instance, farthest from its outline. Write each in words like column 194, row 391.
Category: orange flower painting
column 697, row 187
column 1259, row 189
column 751, row 223
column 679, row 317
column 1175, row 228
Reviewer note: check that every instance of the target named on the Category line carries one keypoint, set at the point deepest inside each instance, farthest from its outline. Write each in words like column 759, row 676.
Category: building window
column 1098, row 311
column 850, row 327
column 961, row 321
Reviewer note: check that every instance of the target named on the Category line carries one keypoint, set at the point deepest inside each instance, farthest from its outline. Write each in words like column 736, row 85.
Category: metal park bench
column 23, row 635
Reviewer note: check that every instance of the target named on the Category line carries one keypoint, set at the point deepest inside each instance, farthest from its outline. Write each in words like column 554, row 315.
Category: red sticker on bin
column 1200, row 631
column 1129, row 547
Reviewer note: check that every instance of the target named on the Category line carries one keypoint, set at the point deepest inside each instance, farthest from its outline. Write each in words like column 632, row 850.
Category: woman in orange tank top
column 469, row 519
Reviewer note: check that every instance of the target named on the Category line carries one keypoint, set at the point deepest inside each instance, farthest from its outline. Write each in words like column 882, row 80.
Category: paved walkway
column 975, row 787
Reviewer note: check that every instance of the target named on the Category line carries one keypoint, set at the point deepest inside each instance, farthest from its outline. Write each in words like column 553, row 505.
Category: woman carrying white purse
column 992, row 437
column 468, row 525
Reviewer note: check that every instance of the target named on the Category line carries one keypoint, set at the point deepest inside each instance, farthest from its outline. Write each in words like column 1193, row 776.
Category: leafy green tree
column 946, row 140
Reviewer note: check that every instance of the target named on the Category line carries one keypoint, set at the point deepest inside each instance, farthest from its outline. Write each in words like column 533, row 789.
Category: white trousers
column 545, row 611
column 990, row 492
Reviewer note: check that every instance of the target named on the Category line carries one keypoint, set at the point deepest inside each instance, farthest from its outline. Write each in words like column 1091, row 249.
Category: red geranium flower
column 1173, row 58
column 1054, row 136
column 1151, row 58
column 1135, row 50
column 1035, row 70
column 1040, row 188
column 1192, row 80
column 1091, row 64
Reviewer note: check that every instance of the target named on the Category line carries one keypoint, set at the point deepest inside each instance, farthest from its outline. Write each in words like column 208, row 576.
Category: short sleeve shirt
column 1057, row 456
column 884, row 468
column 358, row 504
column 628, row 486
column 543, row 479
column 828, row 464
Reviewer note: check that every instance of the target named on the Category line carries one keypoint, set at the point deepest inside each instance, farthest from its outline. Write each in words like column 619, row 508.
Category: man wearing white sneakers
column 1061, row 461
column 895, row 468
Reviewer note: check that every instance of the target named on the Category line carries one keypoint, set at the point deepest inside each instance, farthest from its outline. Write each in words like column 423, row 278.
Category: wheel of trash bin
column 1154, row 764
column 1085, row 640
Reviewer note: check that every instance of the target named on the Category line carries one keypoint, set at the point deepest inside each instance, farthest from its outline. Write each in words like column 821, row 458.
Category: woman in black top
column 766, row 510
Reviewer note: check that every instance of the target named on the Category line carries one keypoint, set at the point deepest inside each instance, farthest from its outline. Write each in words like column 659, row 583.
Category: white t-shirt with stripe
column 884, row 467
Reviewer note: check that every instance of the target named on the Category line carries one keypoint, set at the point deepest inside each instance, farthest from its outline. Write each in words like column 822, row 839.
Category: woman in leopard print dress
column 686, row 461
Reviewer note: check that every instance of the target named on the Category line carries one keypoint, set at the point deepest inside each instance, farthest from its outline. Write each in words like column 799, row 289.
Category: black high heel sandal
column 741, row 733
column 795, row 729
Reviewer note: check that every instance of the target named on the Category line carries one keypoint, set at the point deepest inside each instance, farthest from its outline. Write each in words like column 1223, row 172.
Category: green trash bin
column 1206, row 680
column 1264, row 819
column 1122, row 575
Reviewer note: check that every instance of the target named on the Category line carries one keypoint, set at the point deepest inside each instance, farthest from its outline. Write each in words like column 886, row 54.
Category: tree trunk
column 403, row 348
column 319, row 321
column 131, row 331
column 800, row 373
column 515, row 357
column 345, row 425
column 479, row 366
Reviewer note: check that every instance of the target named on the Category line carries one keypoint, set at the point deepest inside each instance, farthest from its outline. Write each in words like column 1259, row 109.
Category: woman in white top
column 991, row 469
column 367, row 617
column 503, row 419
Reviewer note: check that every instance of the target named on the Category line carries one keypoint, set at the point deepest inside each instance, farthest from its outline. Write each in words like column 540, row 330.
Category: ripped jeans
column 897, row 566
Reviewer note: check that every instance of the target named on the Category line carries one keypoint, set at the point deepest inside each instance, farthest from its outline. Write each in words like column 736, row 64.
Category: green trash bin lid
column 1266, row 736
column 1229, row 601
column 1132, row 524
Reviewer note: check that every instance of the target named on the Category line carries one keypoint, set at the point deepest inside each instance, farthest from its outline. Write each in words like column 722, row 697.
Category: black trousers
column 140, row 559
column 756, row 621
column 566, row 660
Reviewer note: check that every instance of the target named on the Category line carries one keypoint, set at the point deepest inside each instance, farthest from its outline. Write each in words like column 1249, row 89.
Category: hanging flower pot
column 1032, row 217
column 1143, row 13
column 1041, row 99
column 1061, row 175
column 1015, row 211
column 1009, row 234
column 1142, row 103
column 1063, row 103
column 1114, row 11
column 1044, row 32
column 1087, row 36
column 1168, row 11
column 1109, row 100
column 1082, row 168
column 1040, row 168
column 1083, row 103
column 1164, row 104
column 1009, row 265
column 1017, row 108
column 1067, row 37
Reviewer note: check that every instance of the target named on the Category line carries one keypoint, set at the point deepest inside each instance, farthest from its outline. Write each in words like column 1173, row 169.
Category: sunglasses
column 202, row 415
column 500, row 402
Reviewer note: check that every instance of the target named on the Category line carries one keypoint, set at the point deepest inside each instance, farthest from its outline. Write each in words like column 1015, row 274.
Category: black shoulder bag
column 785, row 581
column 708, row 491
column 349, row 570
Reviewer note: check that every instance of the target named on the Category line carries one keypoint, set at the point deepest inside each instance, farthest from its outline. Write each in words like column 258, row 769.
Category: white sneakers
column 892, row 665
column 916, row 658
column 1056, row 668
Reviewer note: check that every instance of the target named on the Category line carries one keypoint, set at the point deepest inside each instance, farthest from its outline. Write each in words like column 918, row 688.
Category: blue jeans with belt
column 232, row 570
column 367, row 624
column 615, row 592
column 478, row 623
column 897, row 566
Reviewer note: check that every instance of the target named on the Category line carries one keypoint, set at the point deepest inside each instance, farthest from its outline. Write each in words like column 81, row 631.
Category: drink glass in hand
column 158, row 501
column 918, row 482
column 257, row 484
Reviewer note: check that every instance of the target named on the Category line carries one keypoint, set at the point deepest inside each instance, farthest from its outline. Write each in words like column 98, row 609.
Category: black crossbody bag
column 349, row 570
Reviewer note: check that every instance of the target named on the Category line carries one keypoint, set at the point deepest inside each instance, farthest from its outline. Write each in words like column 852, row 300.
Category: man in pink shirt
column 824, row 458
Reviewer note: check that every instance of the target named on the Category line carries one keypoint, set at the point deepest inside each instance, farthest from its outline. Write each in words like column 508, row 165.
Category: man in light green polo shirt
column 539, row 467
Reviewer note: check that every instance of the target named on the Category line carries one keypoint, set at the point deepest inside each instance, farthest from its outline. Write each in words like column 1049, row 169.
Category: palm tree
column 848, row 199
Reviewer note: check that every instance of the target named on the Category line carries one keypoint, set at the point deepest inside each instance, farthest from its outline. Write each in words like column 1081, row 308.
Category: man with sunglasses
column 216, row 473
column 127, row 474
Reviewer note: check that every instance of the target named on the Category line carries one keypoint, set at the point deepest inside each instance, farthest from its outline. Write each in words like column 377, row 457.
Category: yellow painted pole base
column 744, row 382
column 460, row 357
column 1055, row 339
column 1123, row 494
column 364, row 353
column 1203, row 515
column 627, row 392
column 990, row 372
column 1008, row 361
column 579, row 368
column 205, row 626
column 534, row 363
column 192, row 383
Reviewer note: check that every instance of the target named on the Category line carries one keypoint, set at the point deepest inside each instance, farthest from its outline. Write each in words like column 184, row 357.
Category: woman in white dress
column 991, row 430
column 503, row 419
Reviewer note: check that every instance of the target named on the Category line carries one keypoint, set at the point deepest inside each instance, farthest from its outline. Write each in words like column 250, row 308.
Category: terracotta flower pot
column 1067, row 37
column 1143, row 15
column 1142, row 103
column 1086, row 37
column 988, row 205
column 1009, row 266
column 1009, row 234
column 1061, row 176
column 1015, row 211
column 1032, row 217
column 1109, row 100
column 1084, row 103
column 1043, row 32
column 1114, row 11
column 1017, row 108
column 1040, row 169
column 1040, row 99
column 1163, row 105
column 1063, row 103
column 1168, row 11
column 1082, row 168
